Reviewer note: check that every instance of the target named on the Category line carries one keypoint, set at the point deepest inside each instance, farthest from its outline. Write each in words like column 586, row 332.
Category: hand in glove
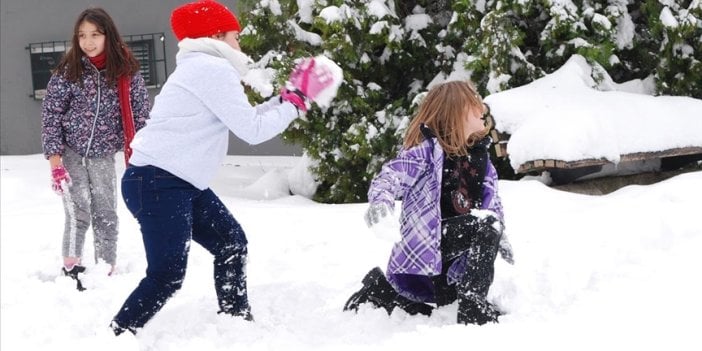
column 60, row 180
column 307, row 80
column 376, row 212
column 294, row 97
column 505, row 250
column 383, row 223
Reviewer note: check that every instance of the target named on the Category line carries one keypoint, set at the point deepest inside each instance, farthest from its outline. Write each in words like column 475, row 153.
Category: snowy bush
column 676, row 29
column 389, row 54
column 393, row 51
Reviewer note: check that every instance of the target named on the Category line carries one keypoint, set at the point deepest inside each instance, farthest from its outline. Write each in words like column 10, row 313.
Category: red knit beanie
column 202, row 19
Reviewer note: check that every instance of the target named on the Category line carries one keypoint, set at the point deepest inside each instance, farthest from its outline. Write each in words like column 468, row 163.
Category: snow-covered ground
column 620, row 271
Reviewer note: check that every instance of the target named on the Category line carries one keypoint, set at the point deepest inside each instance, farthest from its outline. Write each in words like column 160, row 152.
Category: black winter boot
column 230, row 282
column 473, row 309
column 118, row 330
column 378, row 291
column 245, row 314
column 73, row 273
column 472, row 291
column 412, row 307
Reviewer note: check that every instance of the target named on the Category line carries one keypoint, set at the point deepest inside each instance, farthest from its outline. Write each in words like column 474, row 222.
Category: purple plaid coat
column 415, row 177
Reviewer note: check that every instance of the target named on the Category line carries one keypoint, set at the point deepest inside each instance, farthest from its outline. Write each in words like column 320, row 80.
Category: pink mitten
column 310, row 78
column 294, row 97
column 60, row 180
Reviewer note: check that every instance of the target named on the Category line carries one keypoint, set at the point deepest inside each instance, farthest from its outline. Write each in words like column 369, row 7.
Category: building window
column 148, row 49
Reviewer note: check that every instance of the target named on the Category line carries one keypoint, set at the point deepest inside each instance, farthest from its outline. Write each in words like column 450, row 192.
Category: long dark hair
column 120, row 60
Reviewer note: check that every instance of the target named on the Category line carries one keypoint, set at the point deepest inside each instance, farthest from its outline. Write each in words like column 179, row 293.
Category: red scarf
column 125, row 105
column 99, row 61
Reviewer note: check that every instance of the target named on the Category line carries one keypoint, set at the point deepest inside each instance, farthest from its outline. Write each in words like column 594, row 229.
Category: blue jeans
column 170, row 212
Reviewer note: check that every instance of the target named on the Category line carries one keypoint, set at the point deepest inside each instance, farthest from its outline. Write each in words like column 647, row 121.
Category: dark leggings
column 474, row 243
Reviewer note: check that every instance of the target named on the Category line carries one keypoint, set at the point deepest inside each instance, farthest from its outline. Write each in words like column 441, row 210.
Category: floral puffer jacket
column 72, row 110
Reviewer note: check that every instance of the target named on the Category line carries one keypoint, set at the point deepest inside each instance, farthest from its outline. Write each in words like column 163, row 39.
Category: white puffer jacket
column 187, row 133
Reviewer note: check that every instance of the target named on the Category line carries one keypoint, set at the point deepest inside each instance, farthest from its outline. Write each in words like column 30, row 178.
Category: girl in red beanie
column 166, row 185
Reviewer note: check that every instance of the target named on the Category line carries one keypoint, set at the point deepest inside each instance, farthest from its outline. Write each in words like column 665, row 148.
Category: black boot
column 378, row 291
column 412, row 307
column 375, row 290
column 474, row 309
column 245, row 314
column 230, row 282
column 118, row 330
column 472, row 291
column 73, row 273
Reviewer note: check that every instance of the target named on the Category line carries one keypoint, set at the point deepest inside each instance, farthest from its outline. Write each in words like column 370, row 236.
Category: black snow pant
column 478, row 240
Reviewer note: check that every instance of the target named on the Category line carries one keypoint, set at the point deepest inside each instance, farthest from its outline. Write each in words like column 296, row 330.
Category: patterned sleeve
column 398, row 175
column 491, row 198
column 54, row 106
column 140, row 101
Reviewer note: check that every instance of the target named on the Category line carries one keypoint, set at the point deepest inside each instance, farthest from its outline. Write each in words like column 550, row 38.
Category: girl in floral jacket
column 451, row 222
column 96, row 82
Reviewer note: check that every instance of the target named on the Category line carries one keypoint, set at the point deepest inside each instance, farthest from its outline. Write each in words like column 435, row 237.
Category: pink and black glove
column 294, row 97
column 60, row 180
column 306, row 81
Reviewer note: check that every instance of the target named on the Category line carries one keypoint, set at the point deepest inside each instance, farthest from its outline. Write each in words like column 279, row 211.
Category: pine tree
column 677, row 29
column 388, row 55
column 393, row 51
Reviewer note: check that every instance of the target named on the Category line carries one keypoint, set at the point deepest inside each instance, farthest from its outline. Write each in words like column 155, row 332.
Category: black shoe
column 413, row 307
column 244, row 313
column 73, row 273
column 375, row 290
column 475, row 310
column 119, row 330
column 378, row 291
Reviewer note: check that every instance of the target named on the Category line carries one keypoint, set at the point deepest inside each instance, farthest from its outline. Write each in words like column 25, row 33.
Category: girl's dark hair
column 119, row 60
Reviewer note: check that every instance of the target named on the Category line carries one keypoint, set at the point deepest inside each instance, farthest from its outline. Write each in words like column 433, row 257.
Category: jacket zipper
column 97, row 113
